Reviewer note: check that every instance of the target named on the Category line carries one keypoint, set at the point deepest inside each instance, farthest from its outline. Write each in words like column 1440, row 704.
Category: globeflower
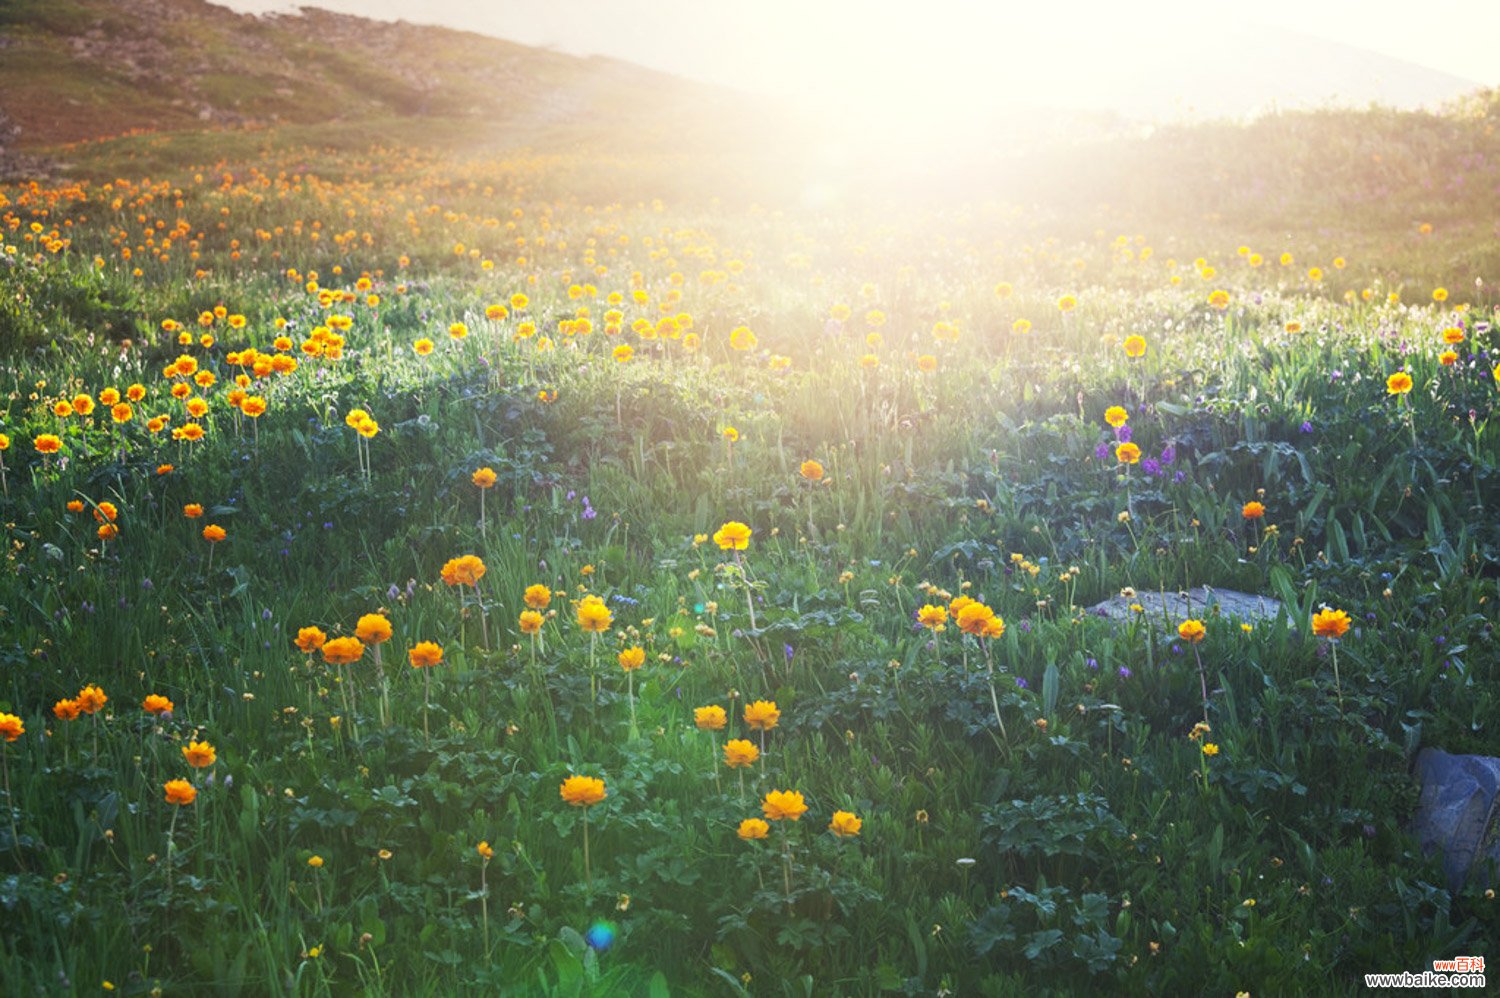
column 213, row 533
column 739, row 753
column 425, row 655
column 632, row 658
column 812, row 471
column 753, row 828
column 1253, row 510
column 733, row 536
column 11, row 727
column 1398, row 384
column 200, row 755
column 1128, row 453
column 845, row 824
column 156, row 704
column 373, row 629
column 47, row 443
column 66, row 710
column 538, row 596
column 783, row 805
column 593, row 616
column 711, row 718
column 91, row 699
column 1135, row 346
column 762, row 715
column 180, row 792
column 1116, row 416
column 582, row 791
column 310, row 639
column 342, row 651
column 1328, row 623
column 530, row 622
column 1192, row 631
column 934, row 618
column 484, row 478
column 465, row 570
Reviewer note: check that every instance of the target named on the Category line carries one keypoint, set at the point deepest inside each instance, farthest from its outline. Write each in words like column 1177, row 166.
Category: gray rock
column 1457, row 813
column 1202, row 602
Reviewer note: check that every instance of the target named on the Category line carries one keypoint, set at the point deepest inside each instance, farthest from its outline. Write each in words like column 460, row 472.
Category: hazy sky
column 921, row 52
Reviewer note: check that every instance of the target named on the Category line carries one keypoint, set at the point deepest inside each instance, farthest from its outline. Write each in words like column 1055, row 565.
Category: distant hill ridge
column 86, row 69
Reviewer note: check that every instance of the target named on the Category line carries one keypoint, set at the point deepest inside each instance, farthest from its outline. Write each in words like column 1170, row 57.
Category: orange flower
column 91, row 698
column 593, row 616
column 1128, row 453
column 199, row 755
column 485, row 478
column 121, row 412
column 934, row 618
column 1253, row 510
column 1398, row 384
column 530, row 622
column 108, row 532
column 11, row 727
column 733, row 536
column 582, row 791
column 711, row 718
column 632, row 659
column 753, row 828
column 538, row 596
column 977, row 619
column 845, row 824
column 342, row 651
column 47, row 443
column 192, row 511
column 213, row 533
column 812, row 471
column 783, row 805
column 1192, row 631
column 180, row 792
column 106, row 511
column 75, row 505
column 739, row 753
column 310, row 639
column 762, row 715
column 373, row 629
column 425, row 655
column 1328, row 623
column 253, row 406
column 485, row 851
column 66, row 710
column 156, row 704
column 465, row 570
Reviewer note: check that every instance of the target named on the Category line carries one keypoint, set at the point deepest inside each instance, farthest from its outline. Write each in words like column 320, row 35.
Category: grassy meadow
column 366, row 502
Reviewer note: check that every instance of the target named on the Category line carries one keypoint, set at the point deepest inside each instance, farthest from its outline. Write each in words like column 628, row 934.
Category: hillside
column 72, row 70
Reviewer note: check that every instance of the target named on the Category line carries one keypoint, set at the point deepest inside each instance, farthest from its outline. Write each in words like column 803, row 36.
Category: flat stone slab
column 1201, row 602
column 1457, row 813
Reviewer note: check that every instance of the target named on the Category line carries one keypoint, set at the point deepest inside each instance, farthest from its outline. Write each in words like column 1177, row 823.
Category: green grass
column 1089, row 845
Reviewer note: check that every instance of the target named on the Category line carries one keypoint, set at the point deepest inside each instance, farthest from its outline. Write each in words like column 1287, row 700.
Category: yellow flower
column 762, row 715
column 733, row 536
column 213, row 533
column 1398, row 384
column 1253, row 510
column 711, row 718
column 632, row 658
column 1209, row 748
column 1191, row 631
column 199, row 755
column 783, row 805
column 373, row 629
column 731, row 434
column 342, row 651
column 484, row 478
column 1135, row 346
column 623, row 353
column 1439, row 294
column 1066, row 303
column 485, row 852
column 1128, row 453
column 423, row 347
column 1328, row 623
column 812, row 471
column 741, row 338
column 180, row 792
column 1453, row 336
column 593, row 616
column 157, row 704
column 425, row 655
column 845, row 824
column 11, row 727
column 934, row 618
column 537, row 596
column 316, row 862
column 530, row 622
column 1021, row 326
column 1219, row 300
column 739, row 753
column 582, row 791
column 1116, row 416
column 753, row 828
